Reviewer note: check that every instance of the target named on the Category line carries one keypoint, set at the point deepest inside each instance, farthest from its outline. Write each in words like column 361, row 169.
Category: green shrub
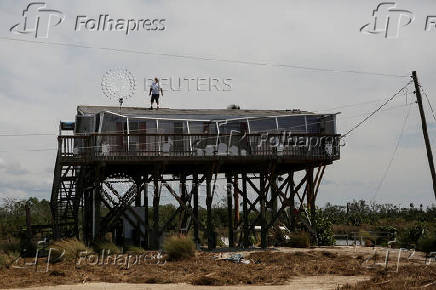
column 277, row 236
column 11, row 245
column 409, row 237
column 219, row 242
column 106, row 246
column 252, row 240
column 323, row 229
column 427, row 244
column 299, row 240
column 72, row 248
column 179, row 247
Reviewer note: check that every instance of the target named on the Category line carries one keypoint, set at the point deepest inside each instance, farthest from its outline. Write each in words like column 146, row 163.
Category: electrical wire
column 206, row 138
column 214, row 137
column 428, row 101
column 351, row 105
column 201, row 125
column 202, row 58
column 393, row 154
column 27, row 134
column 376, row 110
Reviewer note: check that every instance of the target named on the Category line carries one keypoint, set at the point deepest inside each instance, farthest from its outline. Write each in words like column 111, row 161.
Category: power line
column 428, row 101
column 201, row 126
column 293, row 127
column 27, row 134
column 376, row 110
column 393, row 155
column 202, row 139
column 202, row 58
column 351, row 105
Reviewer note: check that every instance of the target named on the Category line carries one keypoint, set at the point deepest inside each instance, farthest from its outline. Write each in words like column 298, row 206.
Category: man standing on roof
column 155, row 89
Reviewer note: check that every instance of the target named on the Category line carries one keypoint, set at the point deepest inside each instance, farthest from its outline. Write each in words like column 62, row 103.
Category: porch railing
column 186, row 145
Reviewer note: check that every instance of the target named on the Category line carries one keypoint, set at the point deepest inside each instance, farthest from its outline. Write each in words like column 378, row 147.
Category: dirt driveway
column 308, row 282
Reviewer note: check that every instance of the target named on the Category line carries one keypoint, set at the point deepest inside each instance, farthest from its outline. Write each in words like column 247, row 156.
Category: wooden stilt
column 263, row 234
column 155, row 236
column 246, row 228
column 138, row 193
column 274, row 194
column 292, row 217
column 236, row 199
column 310, row 193
column 183, row 196
column 138, row 182
column 195, row 193
column 147, row 226
column 97, row 213
column 210, row 230
column 230, row 209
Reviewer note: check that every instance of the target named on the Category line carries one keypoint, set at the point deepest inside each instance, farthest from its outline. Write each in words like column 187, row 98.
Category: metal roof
column 199, row 114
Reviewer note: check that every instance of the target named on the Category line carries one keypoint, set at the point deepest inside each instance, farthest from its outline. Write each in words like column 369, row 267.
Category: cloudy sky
column 44, row 79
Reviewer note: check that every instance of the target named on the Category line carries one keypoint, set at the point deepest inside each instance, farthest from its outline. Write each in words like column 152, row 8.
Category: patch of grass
column 427, row 244
column 299, row 240
column 135, row 250
column 107, row 246
column 72, row 248
column 179, row 248
column 6, row 259
column 10, row 245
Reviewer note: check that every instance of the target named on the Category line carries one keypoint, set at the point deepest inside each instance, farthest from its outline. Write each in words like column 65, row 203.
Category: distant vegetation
column 13, row 214
column 413, row 226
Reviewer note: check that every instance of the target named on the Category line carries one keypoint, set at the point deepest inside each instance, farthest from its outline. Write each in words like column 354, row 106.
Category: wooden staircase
column 65, row 200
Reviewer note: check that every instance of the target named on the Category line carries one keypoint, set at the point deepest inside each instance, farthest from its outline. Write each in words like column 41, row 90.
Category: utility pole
column 424, row 130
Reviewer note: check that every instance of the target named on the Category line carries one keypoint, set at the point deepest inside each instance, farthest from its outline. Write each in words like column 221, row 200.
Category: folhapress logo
column 388, row 20
column 38, row 20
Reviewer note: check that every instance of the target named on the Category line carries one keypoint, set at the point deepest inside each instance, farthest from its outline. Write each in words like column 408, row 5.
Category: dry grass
column 274, row 267
column 408, row 277
column 107, row 246
column 7, row 258
column 299, row 240
column 179, row 248
column 10, row 245
column 72, row 248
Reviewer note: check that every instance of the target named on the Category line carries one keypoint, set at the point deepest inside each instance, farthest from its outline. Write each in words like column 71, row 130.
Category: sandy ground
column 314, row 268
column 310, row 282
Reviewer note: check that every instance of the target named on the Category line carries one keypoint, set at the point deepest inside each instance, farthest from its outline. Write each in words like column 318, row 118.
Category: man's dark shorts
column 155, row 97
